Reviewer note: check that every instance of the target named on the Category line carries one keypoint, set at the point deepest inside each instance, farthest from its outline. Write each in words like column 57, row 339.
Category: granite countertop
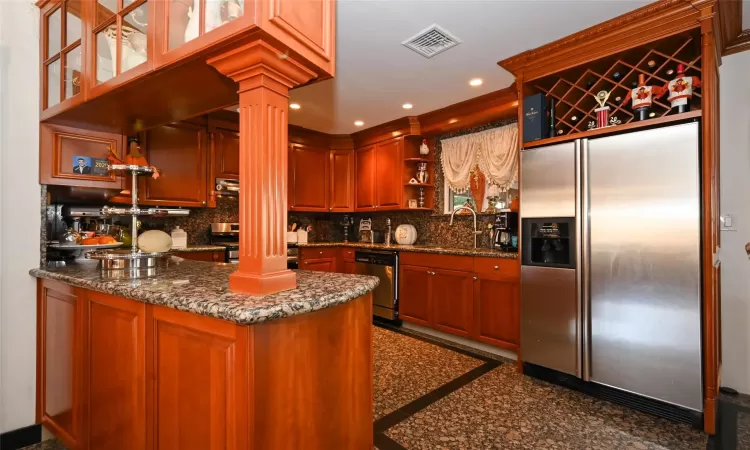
column 203, row 288
column 484, row 252
column 199, row 248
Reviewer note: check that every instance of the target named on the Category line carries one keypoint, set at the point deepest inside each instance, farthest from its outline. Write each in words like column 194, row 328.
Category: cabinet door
column 226, row 146
column 120, row 42
column 308, row 178
column 77, row 157
column 342, row 181
column 389, row 170
column 62, row 55
column 198, row 390
column 365, row 179
column 414, row 294
column 452, row 298
column 496, row 311
column 184, row 32
column 116, row 373
column 320, row 264
column 59, row 361
column 180, row 152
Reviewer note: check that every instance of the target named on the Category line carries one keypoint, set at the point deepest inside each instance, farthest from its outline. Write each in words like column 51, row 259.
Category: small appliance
column 227, row 235
column 505, row 232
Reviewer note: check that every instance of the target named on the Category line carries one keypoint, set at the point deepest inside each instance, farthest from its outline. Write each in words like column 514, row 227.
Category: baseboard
column 481, row 346
column 22, row 437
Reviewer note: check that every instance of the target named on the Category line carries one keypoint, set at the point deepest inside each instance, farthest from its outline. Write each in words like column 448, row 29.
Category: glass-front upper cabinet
column 61, row 53
column 189, row 19
column 120, row 37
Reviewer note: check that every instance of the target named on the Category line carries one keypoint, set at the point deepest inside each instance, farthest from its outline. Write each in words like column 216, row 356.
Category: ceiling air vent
column 431, row 41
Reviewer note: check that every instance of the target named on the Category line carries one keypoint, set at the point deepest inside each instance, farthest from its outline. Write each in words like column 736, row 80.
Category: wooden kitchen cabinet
column 60, row 147
column 179, row 150
column 226, row 150
column 414, row 295
column 341, row 197
column 379, row 172
column 185, row 33
column 476, row 297
column 388, row 173
column 60, row 361
column 365, row 197
column 115, row 354
column 497, row 316
column 120, row 49
column 308, row 178
column 61, row 52
column 451, row 298
column 318, row 258
column 198, row 368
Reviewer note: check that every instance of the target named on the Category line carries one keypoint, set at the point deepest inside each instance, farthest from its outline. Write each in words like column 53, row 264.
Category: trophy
column 602, row 112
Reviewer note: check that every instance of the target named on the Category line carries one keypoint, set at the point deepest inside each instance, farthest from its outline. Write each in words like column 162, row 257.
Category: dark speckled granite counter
column 203, row 288
column 484, row 252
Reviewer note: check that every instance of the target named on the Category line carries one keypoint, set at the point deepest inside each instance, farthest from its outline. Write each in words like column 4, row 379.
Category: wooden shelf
column 419, row 184
column 418, row 209
column 427, row 160
column 614, row 129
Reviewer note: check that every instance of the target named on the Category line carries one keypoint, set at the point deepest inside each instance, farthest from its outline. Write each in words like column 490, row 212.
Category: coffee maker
column 505, row 232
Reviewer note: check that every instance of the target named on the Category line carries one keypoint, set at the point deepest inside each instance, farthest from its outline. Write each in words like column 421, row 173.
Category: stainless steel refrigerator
column 610, row 274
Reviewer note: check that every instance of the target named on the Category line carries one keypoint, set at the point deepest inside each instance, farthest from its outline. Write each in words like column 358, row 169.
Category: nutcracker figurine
column 642, row 97
column 681, row 90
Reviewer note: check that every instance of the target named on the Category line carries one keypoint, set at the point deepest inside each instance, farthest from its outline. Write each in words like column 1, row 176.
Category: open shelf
column 614, row 129
column 419, row 184
column 427, row 160
column 573, row 89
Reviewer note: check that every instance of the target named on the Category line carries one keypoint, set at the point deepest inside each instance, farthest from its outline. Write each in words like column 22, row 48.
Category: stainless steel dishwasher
column 384, row 265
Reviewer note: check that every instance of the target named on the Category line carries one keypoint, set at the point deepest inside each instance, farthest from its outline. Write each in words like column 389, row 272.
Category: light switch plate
column 728, row 222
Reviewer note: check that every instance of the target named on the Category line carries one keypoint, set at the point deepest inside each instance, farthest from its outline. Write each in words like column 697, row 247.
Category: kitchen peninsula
column 177, row 349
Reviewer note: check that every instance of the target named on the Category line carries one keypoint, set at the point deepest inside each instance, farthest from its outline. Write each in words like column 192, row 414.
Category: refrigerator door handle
column 585, row 265
column 578, row 265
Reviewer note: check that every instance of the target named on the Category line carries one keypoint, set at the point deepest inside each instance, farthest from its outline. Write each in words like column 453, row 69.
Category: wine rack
column 573, row 90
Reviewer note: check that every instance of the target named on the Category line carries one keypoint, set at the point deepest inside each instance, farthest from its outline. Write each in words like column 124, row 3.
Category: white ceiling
column 375, row 74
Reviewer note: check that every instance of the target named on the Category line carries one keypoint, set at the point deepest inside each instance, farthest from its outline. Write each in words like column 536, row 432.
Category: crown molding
column 650, row 22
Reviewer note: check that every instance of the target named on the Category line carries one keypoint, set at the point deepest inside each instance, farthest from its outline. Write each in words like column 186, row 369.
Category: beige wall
column 19, row 209
column 735, row 200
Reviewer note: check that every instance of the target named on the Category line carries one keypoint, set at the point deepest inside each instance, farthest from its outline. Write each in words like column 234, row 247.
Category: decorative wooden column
column 265, row 76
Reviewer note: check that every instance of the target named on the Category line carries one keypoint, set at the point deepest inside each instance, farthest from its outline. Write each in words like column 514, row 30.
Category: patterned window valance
column 494, row 151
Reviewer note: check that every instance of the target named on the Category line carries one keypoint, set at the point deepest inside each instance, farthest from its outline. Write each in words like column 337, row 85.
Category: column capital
column 252, row 63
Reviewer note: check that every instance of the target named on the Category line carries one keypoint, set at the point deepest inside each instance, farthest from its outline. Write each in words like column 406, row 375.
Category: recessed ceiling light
column 358, row 123
column 407, row 106
column 294, row 105
column 476, row 82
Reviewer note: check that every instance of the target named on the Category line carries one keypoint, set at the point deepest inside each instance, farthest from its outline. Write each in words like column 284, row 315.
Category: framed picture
column 81, row 165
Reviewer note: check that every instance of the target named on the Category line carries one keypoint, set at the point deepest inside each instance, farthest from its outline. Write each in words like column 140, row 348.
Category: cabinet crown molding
column 650, row 22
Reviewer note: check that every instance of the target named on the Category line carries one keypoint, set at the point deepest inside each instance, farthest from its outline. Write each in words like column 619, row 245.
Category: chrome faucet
column 473, row 213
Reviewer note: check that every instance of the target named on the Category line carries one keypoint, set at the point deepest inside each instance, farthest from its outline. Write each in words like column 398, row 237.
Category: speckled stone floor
column 406, row 369
column 503, row 409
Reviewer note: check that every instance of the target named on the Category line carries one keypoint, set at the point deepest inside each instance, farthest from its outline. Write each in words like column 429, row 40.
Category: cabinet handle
column 476, row 278
column 321, row 253
column 307, row 262
column 497, row 267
